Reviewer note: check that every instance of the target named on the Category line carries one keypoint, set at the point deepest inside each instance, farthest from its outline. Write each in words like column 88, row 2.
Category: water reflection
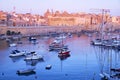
column 16, row 59
column 3, row 45
column 33, row 62
column 63, row 57
column 107, row 58
column 81, row 64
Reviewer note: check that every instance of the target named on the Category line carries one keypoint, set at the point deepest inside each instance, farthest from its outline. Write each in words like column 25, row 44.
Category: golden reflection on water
column 3, row 45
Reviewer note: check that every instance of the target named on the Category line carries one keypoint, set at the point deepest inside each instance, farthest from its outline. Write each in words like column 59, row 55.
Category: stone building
column 3, row 17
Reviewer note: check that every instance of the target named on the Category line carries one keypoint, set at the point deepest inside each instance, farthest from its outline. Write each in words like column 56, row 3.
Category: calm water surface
column 86, row 62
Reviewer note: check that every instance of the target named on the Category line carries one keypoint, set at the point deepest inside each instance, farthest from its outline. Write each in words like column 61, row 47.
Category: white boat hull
column 13, row 45
column 17, row 54
column 34, row 57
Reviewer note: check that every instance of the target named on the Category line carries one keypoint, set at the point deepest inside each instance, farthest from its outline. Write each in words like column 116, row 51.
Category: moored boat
column 12, row 45
column 96, row 42
column 34, row 56
column 64, row 52
column 48, row 66
column 16, row 53
column 26, row 71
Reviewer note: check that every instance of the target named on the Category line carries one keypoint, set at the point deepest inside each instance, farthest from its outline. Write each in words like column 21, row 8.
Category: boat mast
column 102, row 25
column 104, row 12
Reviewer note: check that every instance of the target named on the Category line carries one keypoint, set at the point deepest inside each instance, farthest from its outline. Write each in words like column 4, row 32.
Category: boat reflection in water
column 62, row 58
column 108, row 61
column 84, row 62
column 15, row 59
column 33, row 62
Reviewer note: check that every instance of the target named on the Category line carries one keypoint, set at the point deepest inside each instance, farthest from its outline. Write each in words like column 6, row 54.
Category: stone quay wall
column 36, row 30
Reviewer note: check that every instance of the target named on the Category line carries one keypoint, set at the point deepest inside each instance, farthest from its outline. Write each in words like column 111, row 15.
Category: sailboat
column 99, row 42
column 57, row 45
column 63, row 52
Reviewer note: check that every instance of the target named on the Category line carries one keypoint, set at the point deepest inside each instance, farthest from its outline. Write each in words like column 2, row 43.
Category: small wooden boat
column 25, row 71
column 48, row 66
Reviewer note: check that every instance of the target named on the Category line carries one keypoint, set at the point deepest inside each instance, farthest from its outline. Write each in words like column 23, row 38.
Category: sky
column 71, row 6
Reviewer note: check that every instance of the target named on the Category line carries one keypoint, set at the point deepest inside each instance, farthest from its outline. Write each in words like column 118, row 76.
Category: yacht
column 34, row 56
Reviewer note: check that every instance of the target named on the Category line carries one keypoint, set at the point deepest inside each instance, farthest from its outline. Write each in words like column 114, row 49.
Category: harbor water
column 85, row 62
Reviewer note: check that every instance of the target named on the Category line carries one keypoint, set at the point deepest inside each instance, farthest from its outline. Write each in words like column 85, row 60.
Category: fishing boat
column 64, row 52
column 34, row 56
column 16, row 53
